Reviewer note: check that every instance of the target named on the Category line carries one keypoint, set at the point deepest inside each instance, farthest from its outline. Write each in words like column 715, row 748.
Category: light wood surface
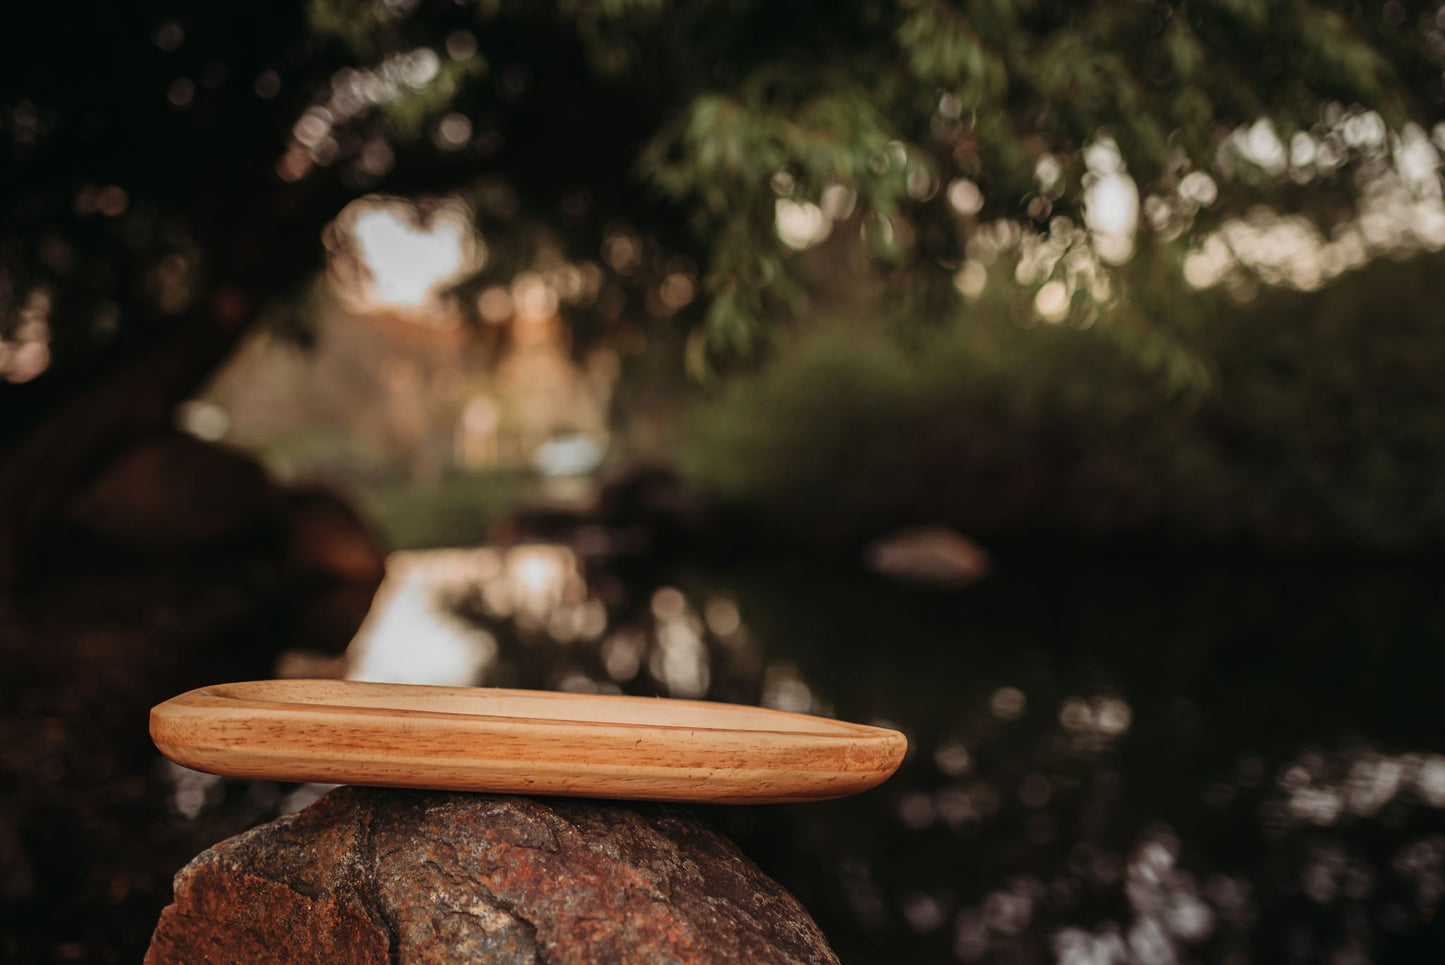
column 520, row 742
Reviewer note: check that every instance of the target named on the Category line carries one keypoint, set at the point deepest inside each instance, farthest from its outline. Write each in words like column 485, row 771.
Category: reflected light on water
column 409, row 636
column 680, row 661
column 413, row 633
column 722, row 616
column 192, row 790
column 1019, row 777
column 1008, row 703
column 536, row 579
column 622, row 655
column 25, row 353
column 1320, row 790
column 785, row 689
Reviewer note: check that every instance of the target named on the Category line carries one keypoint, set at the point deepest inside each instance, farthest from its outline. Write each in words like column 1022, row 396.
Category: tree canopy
column 173, row 165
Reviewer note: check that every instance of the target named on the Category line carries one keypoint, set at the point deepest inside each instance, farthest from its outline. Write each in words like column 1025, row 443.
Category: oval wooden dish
column 520, row 742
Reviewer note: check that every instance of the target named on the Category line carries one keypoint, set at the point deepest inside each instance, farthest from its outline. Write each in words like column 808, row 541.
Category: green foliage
column 891, row 103
column 448, row 512
column 409, row 116
column 681, row 125
column 1323, row 424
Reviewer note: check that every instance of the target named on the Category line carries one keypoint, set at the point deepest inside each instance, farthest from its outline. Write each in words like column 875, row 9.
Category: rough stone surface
column 368, row 875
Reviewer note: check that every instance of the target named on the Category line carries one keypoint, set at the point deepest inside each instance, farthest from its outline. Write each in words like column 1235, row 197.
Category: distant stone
column 169, row 492
column 375, row 876
column 325, row 537
column 929, row 555
column 334, row 564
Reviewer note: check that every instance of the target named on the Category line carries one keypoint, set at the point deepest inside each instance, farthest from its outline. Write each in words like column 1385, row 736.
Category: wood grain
column 520, row 742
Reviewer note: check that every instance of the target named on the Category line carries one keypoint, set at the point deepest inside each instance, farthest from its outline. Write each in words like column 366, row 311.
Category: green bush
column 1319, row 422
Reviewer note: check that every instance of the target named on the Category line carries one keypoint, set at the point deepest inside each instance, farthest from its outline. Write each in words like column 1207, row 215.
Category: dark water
column 1135, row 759
column 1113, row 758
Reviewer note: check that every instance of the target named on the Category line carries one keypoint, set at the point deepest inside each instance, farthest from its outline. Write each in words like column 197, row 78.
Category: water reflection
column 1128, row 762
column 409, row 637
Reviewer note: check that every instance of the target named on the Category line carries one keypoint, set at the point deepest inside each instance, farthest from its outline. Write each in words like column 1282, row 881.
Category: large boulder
column 170, row 492
column 367, row 875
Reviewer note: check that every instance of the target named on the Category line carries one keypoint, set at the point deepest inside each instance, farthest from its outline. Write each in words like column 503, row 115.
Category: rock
column 334, row 564
column 930, row 555
column 169, row 492
column 159, row 563
column 369, row 875
column 326, row 537
column 150, row 583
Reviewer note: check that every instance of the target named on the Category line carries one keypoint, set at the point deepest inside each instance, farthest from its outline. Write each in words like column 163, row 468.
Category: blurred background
column 1060, row 383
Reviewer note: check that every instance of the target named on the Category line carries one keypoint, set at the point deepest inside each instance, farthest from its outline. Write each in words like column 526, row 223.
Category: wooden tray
column 520, row 742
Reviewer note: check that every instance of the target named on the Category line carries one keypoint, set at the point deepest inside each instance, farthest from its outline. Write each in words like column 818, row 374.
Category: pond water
column 1111, row 759
column 1128, row 758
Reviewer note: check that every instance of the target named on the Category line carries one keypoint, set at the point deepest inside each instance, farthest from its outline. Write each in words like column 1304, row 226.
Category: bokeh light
column 403, row 261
